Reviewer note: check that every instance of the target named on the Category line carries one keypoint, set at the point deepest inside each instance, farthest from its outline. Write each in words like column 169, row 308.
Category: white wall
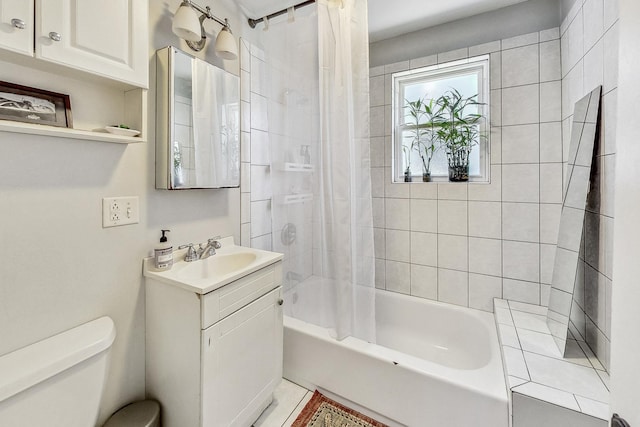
column 59, row 267
column 625, row 340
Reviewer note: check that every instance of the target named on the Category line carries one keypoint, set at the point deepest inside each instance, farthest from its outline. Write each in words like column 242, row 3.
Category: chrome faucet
column 210, row 249
column 192, row 254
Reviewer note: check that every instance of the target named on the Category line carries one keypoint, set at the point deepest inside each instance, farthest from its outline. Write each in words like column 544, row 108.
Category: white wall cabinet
column 107, row 38
column 79, row 40
column 213, row 360
column 16, row 26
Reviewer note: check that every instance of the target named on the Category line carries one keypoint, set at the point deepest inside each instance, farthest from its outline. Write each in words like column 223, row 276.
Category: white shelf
column 134, row 115
column 292, row 199
column 297, row 167
column 60, row 132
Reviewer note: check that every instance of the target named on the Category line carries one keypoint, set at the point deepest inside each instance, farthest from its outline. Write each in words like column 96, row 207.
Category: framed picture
column 30, row 105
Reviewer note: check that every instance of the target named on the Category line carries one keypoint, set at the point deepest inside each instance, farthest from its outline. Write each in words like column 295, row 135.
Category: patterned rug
column 324, row 412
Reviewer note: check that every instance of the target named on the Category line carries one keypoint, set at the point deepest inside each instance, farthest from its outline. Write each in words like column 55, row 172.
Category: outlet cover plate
column 118, row 211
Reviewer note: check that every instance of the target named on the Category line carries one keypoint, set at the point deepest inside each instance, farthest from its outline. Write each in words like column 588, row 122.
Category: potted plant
column 407, row 161
column 458, row 131
column 425, row 120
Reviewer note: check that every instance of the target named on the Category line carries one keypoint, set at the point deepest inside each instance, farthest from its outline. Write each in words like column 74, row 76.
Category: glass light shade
column 226, row 47
column 186, row 24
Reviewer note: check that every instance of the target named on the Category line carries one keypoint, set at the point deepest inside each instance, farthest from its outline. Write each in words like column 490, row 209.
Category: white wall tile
column 398, row 277
column 521, row 261
column 376, row 71
column 593, row 15
column 245, row 235
column 245, row 177
column 520, row 105
column 610, row 59
column 259, row 112
column 377, row 182
column 397, row 245
column 521, row 221
column 380, row 273
column 550, row 34
column 518, row 41
column 397, row 214
column 551, row 142
column 380, row 242
column 482, row 290
column 611, row 13
column 551, row 182
column 453, row 252
column 262, row 242
column 490, row 191
column 424, row 249
column 520, row 144
column 245, row 208
column 424, row 215
column 594, row 66
column 260, row 183
column 550, row 102
column 453, row 287
column 518, row 290
column 424, row 191
column 485, row 256
column 260, row 218
column 376, row 90
column 395, row 190
column 453, row 191
column 485, row 219
column 452, row 217
column 520, row 183
column 453, row 55
column 550, row 61
column 496, row 146
column 485, row 48
column 609, row 114
column 547, row 258
column 245, row 147
column 376, row 121
column 496, row 107
column 424, row 61
column 258, row 77
column 245, row 55
column 377, row 151
column 260, row 148
column 549, row 222
column 576, row 40
column 424, row 281
column 520, row 66
column 495, row 68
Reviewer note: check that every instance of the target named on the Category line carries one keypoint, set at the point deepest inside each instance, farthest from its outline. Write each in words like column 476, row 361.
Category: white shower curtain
column 318, row 70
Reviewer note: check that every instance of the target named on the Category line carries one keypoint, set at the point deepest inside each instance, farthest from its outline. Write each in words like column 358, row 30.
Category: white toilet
column 57, row 382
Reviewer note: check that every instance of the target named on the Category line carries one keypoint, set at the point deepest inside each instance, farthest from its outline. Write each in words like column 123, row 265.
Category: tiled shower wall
column 255, row 180
column 468, row 243
column 589, row 59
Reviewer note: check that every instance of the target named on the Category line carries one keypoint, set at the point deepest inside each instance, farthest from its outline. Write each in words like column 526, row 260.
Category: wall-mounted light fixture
column 188, row 26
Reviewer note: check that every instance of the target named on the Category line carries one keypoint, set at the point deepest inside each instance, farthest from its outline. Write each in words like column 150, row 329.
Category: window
column 469, row 77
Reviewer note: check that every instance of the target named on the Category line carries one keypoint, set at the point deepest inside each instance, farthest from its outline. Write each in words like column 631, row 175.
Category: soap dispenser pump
column 163, row 253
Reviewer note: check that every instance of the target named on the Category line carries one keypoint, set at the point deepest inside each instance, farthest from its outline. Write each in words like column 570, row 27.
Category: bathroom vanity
column 214, row 336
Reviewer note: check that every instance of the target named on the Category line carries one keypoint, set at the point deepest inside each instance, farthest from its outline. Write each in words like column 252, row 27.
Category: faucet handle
column 214, row 242
column 191, row 252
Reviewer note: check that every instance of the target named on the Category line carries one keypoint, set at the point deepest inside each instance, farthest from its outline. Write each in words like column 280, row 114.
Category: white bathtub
column 434, row 364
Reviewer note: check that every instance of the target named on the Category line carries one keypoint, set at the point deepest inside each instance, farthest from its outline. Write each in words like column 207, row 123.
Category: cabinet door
column 108, row 38
column 15, row 14
column 241, row 362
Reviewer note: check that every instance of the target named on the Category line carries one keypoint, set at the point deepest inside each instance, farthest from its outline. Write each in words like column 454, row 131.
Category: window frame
column 480, row 64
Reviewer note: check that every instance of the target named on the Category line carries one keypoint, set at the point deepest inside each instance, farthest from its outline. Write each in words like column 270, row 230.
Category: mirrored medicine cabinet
column 198, row 123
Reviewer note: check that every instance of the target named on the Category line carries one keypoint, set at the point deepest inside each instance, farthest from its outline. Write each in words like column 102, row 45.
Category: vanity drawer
column 222, row 302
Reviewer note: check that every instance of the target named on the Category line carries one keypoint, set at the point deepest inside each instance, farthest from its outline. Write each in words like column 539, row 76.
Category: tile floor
column 288, row 401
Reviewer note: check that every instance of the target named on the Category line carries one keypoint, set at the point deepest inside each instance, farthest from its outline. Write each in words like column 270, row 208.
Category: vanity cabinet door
column 108, row 38
column 241, row 362
column 16, row 26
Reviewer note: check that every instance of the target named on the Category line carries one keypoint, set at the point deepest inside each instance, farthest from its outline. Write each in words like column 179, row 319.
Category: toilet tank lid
column 37, row 362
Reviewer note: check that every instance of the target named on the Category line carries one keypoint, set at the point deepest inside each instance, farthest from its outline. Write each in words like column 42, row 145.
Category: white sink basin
column 230, row 263
column 217, row 265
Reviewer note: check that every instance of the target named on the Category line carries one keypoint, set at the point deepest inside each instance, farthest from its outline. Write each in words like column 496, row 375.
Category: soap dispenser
column 163, row 253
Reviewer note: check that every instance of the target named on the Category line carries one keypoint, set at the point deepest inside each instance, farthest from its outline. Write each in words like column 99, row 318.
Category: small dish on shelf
column 116, row 130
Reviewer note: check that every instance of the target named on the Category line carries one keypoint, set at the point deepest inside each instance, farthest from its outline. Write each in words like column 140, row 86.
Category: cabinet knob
column 56, row 37
column 280, row 301
column 18, row 23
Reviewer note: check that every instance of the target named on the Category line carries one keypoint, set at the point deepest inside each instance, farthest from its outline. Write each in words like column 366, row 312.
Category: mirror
column 574, row 200
column 198, row 123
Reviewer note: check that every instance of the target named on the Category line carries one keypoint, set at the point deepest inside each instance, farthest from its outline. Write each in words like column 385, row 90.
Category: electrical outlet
column 118, row 211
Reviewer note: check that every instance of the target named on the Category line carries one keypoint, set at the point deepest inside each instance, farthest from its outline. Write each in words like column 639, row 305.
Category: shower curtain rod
column 254, row 22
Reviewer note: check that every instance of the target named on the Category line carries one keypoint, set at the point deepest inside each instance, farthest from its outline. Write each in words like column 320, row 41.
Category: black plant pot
column 459, row 173
column 426, row 177
column 407, row 176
